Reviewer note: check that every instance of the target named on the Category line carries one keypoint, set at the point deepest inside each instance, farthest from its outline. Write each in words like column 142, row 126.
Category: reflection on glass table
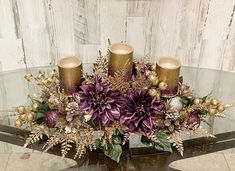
column 14, row 90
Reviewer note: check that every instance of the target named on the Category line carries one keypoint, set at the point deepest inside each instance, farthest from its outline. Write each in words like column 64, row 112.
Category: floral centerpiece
column 107, row 109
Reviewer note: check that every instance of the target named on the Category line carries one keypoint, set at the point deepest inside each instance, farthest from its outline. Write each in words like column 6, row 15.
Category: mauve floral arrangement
column 107, row 110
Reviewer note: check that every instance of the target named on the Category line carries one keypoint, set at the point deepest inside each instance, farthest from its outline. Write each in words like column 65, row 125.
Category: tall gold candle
column 70, row 72
column 168, row 70
column 120, row 58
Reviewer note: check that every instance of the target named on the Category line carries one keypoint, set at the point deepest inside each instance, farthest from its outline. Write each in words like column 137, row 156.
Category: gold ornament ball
column 152, row 92
column 21, row 109
column 214, row 102
column 152, row 78
column 212, row 111
column 153, row 67
column 18, row 123
column 197, row 101
column 221, row 108
column 156, row 82
column 30, row 117
column 22, row 117
column 35, row 106
column 162, row 86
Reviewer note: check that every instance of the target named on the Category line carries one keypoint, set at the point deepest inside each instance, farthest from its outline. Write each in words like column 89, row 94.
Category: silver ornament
column 176, row 104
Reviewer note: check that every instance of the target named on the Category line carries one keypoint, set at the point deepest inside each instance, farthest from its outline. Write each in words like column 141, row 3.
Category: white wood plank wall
column 39, row 32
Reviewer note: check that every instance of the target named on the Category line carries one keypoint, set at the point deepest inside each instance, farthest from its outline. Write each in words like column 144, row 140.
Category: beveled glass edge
column 91, row 64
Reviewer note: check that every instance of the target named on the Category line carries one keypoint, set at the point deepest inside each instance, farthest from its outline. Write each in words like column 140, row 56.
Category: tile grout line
column 7, row 162
column 226, row 162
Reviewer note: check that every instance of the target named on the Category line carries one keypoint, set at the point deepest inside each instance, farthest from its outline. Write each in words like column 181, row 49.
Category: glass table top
column 14, row 90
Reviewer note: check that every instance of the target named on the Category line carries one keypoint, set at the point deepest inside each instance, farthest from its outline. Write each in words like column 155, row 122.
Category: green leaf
column 186, row 101
column 42, row 107
column 98, row 143
column 163, row 144
column 119, row 132
column 117, row 139
column 145, row 140
column 113, row 151
column 202, row 111
column 39, row 117
column 118, row 136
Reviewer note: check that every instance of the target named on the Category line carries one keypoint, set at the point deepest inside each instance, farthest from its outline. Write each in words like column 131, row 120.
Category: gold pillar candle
column 168, row 70
column 70, row 72
column 120, row 58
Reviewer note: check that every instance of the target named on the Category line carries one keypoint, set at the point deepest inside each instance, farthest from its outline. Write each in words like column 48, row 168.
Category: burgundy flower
column 140, row 112
column 193, row 119
column 51, row 118
column 103, row 104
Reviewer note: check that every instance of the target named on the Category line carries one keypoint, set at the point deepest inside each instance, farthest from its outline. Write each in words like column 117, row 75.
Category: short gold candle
column 120, row 58
column 168, row 70
column 70, row 72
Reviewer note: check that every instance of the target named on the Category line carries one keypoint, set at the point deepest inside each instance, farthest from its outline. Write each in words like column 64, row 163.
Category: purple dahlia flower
column 140, row 112
column 104, row 104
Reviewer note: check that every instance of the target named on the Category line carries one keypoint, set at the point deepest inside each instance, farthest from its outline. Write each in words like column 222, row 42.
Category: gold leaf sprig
column 66, row 146
column 101, row 66
column 117, row 82
column 177, row 142
column 199, row 131
column 36, row 134
column 81, row 139
column 140, row 82
column 51, row 142
column 58, row 100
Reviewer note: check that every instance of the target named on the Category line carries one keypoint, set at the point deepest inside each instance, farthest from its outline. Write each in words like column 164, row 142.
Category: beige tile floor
column 219, row 161
column 36, row 162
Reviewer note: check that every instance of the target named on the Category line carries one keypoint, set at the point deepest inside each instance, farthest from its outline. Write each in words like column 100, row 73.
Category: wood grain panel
column 7, row 24
column 112, row 22
column 34, row 35
column 199, row 32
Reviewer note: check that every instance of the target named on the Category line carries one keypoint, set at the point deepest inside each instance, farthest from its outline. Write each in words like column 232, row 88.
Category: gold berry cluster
column 156, row 84
column 214, row 106
column 25, row 115
column 42, row 80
